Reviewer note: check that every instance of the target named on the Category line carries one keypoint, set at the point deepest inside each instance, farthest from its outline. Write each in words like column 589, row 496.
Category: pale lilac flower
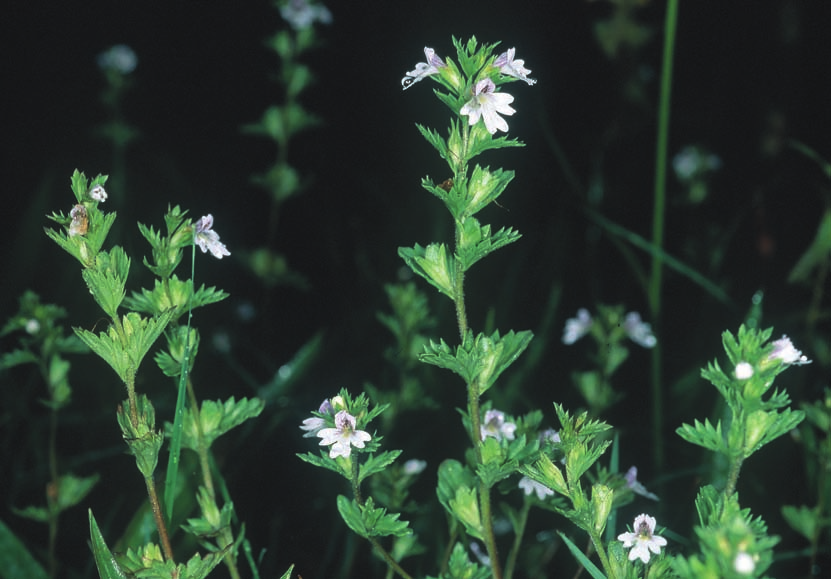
column 119, row 58
column 636, row 487
column 98, row 193
column 494, row 425
column 642, row 541
column 423, row 69
column 577, row 327
column 414, row 466
column 480, row 555
column 315, row 424
column 744, row 370
column 783, row 349
column 207, row 239
column 488, row 104
column 516, row 68
column 344, row 436
column 301, row 14
column 550, row 436
column 639, row 331
column 529, row 485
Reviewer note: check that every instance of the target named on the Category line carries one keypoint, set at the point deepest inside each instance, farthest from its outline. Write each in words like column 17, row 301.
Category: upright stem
column 156, row 508
column 52, row 493
column 658, row 211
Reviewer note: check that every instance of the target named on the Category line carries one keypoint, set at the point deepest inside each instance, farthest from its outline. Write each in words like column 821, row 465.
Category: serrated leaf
column 434, row 264
column 369, row 521
column 377, row 463
column 215, row 419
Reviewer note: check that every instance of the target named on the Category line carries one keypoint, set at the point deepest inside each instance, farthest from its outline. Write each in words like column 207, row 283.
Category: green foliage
column 107, row 566
column 729, row 537
column 173, row 293
column 581, row 558
column 479, row 360
column 15, row 559
column 461, row 567
column 124, row 346
column 755, row 421
column 368, row 521
column 377, row 463
column 457, row 493
column 70, row 491
column 433, row 264
column 141, row 437
column 214, row 419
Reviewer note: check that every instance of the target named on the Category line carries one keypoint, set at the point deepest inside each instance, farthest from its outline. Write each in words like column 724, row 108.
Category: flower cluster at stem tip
column 485, row 102
column 783, row 351
column 343, row 435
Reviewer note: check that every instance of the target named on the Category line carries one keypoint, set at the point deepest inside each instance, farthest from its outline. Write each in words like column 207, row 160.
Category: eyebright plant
column 150, row 314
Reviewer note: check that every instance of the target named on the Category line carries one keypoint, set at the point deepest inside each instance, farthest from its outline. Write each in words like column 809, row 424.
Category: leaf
column 434, row 264
column 582, row 559
column 16, row 562
column 377, row 463
column 369, row 521
column 104, row 560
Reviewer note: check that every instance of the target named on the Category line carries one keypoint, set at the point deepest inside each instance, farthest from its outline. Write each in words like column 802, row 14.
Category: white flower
column 495, row 426
column 516, row 68
column 531, row 486
column 744, row 564
column 207, row 239
column 98, row 193
column 488, row 104
column 642, row 541
column 783, row 349
column 692, row 162
column 423, row 69
column 32, row 326
column 315, row 424
column 414, row 466
column 301, row 14
column 639, row 331
column 577, row 327
column 744, row 370
column 119, row 58
column 343, row 436
column 637, row 487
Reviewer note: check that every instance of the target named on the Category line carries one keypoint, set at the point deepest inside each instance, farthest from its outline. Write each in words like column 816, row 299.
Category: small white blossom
column 344, row 436
column 119, row 58
column 744, row 563
column 692, row 162
column 495, row 426
column 529, row 485
column 642, row 541
column 207, row 239
column 423, row 69
column 783, row 349
column 744, row 370
column 637, row 487
column 98, row 193
column 577, row 327
column 639, row 331
column 488, row 104
column 32, row 326
column 516, row 68
column 301, row 14
column 414, row 466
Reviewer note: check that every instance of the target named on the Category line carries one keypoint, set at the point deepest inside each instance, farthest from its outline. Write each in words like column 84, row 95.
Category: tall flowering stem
column 472, row 92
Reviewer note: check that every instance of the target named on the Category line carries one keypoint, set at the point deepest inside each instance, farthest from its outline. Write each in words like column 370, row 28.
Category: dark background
column 747, row 77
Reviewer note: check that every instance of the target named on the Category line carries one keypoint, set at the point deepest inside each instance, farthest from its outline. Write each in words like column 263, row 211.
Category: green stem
column 356, row 492
column 156, row 508
column 658, row 213
column 510, row 565
column 604, row 560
